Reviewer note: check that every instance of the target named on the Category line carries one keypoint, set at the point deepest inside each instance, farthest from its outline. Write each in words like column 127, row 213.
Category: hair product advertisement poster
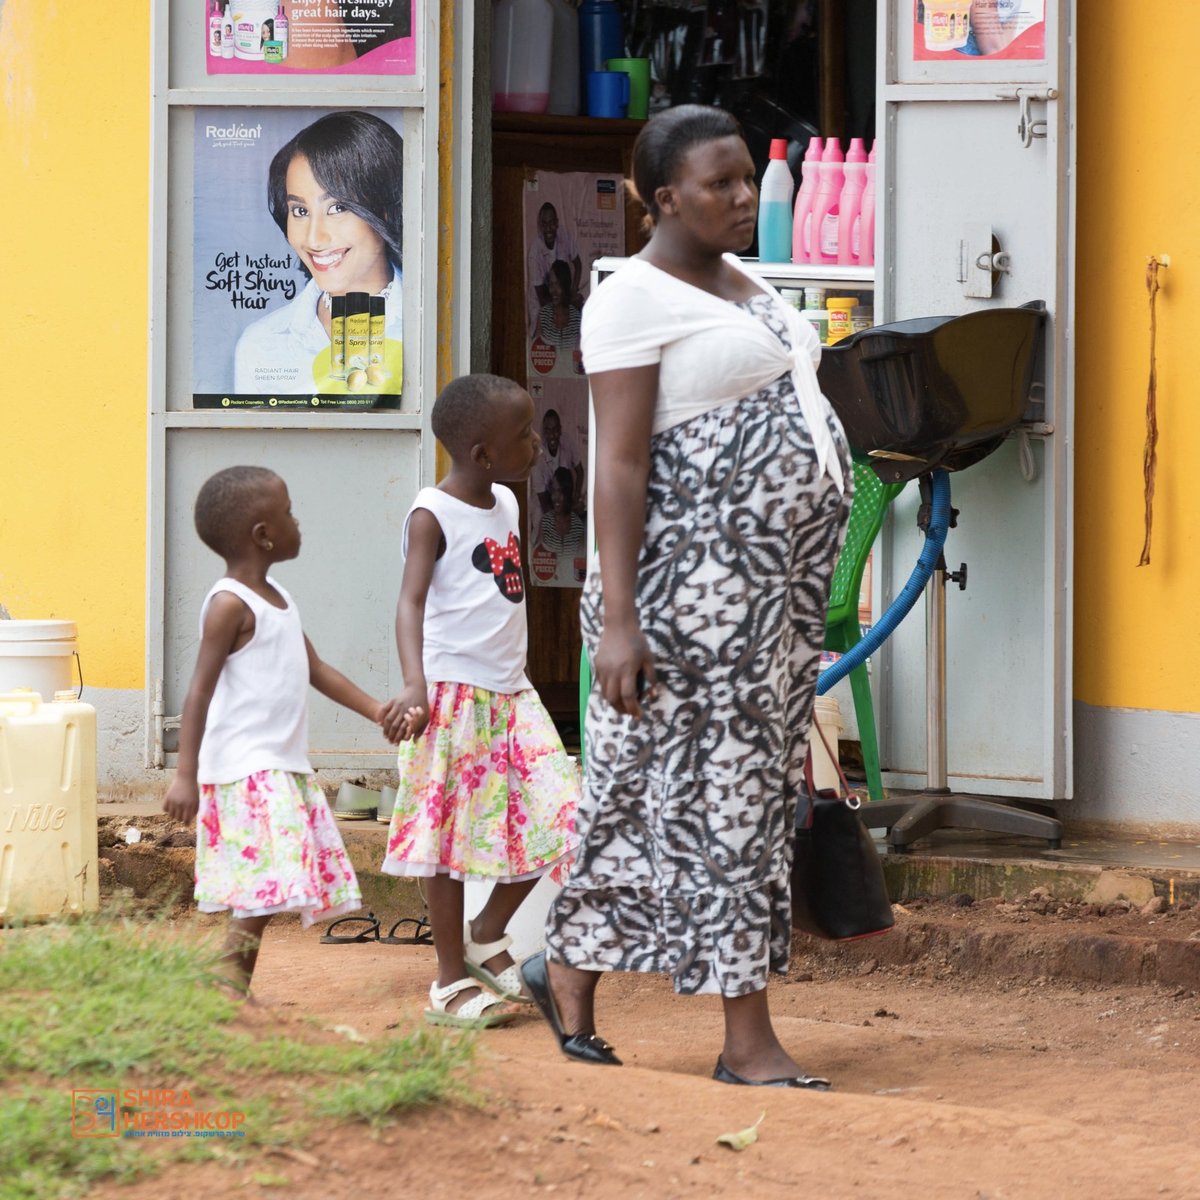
column 296, row 259
column 996, row 29
column 570, row 220
column 310, row 37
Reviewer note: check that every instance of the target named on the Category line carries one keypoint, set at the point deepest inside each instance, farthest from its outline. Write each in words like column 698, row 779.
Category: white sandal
column 507, row 983
column 473, row 1014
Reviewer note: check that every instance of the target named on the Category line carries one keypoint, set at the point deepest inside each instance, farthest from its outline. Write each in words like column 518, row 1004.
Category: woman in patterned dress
column 722, row 492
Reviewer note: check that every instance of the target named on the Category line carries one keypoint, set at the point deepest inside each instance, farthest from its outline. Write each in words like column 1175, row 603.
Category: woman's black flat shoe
column 722, row 1074
column 584, row 1047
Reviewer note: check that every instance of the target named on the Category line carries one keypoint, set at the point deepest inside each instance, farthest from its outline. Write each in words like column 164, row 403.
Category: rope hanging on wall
column 1150, row 451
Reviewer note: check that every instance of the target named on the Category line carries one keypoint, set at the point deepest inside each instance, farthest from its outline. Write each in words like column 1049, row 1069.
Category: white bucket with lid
column 38, row 655
column 828, row 714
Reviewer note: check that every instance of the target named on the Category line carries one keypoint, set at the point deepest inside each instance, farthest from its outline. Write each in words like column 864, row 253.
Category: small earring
column 270, row 544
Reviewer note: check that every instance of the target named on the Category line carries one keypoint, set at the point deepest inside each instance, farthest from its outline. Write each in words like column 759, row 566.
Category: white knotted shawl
column 709, row 351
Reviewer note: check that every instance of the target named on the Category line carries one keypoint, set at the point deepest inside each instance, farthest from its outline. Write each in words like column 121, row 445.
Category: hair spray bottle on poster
column 337, row 337
column 281, row 31
column 358, row 339
column 227, row 33
column 214, row 29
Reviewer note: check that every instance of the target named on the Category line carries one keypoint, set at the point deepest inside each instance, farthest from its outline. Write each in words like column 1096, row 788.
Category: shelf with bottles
column 838, row 300
column 786, row 274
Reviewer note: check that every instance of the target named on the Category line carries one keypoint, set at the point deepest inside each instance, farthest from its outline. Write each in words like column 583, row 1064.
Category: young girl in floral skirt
column 486, row 790
column 266, row 842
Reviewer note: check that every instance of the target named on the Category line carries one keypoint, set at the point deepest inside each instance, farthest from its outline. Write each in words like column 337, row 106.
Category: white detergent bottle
column 850, row 204
column 802, row 215
column 866, row 223
column 522, row 39
column 775, row 206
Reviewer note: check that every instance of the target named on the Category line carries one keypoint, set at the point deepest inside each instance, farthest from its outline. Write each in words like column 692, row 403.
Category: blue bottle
column 775, row 207
column 601, row 36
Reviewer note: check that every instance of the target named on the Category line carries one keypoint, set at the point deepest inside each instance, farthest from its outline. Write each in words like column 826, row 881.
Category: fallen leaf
column 606, row 1122
column 743, row 1137
column 349, row 1033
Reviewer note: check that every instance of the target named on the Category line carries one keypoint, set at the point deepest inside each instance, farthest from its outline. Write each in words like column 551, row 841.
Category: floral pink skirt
column 486, row 792
column 268, row 844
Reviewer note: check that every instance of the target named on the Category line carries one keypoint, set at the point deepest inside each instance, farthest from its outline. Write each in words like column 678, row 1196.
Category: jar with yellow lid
column 840, row 324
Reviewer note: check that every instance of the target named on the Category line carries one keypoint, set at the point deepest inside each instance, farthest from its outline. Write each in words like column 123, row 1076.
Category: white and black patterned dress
column 686, row 823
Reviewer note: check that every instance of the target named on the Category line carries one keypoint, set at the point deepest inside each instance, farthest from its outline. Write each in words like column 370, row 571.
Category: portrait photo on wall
column 310, row 37
column 297, row 269
column 558, row 485
column 570, row 220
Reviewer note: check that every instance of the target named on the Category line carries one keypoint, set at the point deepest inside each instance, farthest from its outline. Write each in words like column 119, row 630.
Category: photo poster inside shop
column 569, row 221
column 296, row 293
column 993, row 29
column 310, row 37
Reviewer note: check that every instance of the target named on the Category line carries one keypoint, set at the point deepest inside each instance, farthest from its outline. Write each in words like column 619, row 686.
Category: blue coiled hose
column 935, row 539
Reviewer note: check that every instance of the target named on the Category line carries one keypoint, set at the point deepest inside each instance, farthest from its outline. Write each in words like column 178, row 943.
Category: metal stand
column 915, row 817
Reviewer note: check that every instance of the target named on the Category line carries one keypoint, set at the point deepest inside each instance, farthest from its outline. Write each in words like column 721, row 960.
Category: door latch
column 998, row 262
column 981, row 262
column 1027, row 127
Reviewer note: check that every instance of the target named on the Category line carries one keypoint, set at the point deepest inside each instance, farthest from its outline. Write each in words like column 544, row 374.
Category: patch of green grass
column 42, row 1159
column 112, row 1005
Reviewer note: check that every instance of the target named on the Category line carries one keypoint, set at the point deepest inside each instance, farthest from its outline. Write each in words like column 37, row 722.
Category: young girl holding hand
column 266, row 842
column 486, row 790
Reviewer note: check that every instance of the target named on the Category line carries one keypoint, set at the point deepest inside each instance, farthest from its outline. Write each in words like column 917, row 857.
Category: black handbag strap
column 849, row 798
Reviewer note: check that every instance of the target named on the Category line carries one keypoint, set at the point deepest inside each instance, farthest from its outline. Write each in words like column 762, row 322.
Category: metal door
column 976, row 148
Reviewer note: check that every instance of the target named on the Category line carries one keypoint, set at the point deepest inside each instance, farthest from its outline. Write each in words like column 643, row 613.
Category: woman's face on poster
column 557, row 295
column 341, row 250
column 558, row 498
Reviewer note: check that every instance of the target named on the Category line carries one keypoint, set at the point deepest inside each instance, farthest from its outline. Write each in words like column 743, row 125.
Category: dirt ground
column 978, row 1086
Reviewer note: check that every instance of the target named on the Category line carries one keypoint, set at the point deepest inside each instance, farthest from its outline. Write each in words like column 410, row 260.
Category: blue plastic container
column 601, row 35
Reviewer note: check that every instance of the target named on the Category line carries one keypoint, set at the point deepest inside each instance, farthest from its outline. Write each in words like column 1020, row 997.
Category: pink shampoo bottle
column 850, row 204
column 802, row 214
column 865, row 242
column 822, row 233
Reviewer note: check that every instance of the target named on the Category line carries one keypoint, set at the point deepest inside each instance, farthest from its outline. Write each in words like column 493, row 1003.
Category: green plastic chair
column 871, row 500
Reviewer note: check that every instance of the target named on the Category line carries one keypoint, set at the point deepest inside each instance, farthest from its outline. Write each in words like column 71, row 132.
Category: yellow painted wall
column 74, row 213
column 1138, row 194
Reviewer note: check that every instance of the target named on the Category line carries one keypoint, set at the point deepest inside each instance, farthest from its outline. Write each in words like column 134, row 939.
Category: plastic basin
column 934, row 391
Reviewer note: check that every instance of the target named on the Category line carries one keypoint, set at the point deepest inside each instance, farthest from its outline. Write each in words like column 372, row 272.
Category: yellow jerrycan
column 48, row 850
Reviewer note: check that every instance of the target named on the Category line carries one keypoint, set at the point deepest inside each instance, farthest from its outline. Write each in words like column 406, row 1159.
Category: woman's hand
column 624, row 403
column 625, row 670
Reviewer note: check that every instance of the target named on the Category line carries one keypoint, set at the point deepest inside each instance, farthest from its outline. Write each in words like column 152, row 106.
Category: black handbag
column 838, row 888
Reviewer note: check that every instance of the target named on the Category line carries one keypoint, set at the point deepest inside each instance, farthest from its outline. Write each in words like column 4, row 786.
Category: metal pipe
column 935, row 681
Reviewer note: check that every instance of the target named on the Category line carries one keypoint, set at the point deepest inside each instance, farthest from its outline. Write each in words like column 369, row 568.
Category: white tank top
column 475, row 612
column 258, row 718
